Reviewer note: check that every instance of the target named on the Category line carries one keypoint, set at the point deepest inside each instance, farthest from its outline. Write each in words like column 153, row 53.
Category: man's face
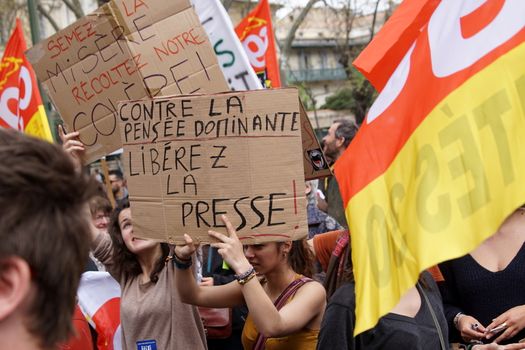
column 116, row 183
column 331, row 142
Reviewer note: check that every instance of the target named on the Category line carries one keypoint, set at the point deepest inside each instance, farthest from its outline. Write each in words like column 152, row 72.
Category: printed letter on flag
column 20, row 102
column 440, row 159
column 256, row 34
column 230, row 53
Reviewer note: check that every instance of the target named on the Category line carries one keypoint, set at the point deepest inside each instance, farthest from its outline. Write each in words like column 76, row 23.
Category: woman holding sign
column 152, row 315
column 285, row 307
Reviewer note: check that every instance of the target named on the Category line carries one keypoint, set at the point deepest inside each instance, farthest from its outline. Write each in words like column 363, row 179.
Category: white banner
column 99, row 300
column 231, row 55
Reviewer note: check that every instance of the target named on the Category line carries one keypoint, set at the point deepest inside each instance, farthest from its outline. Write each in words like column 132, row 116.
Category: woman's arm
column 227, row 295
column 73, row 147
column 102, row 248
column 466, row 325
column 76, row 151
column 308, row 302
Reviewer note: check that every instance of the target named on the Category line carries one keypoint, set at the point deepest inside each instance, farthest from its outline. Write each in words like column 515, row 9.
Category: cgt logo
column 256, row 45
column 459, row 34
column 12, row 104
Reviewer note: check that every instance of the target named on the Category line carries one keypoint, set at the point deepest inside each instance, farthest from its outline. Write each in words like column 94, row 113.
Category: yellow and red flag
column 20, row 102
column 439, row 161
column 256, row 34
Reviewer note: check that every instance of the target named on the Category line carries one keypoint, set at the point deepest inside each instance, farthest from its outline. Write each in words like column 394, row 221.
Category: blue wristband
column 181, row 264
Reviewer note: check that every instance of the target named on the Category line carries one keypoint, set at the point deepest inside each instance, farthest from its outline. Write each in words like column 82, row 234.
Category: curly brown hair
column 125, row 262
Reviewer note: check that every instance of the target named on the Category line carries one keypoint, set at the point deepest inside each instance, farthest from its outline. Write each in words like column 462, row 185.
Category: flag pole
column 34, row 24
column 33, row 21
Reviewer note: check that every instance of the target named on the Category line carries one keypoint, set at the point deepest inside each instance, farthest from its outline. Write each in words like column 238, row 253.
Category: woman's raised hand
column 230, row 248
column 72, row 146
column 185, row 251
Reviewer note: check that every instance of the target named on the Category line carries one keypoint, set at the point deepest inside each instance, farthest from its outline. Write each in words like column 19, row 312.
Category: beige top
column 153, row 311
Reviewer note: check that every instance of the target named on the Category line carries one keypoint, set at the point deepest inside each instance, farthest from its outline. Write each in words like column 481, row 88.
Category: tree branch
column 296, row 24
column 227, row 4
column 374, row 18
column 75, row 7
column 49, row 18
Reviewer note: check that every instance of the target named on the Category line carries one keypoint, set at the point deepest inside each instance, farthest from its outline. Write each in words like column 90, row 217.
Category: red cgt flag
column 256, row 34
column 439, row 161
column 20, row 102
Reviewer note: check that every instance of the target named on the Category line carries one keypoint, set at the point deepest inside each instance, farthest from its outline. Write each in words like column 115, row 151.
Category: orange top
column 305, row 339
column 324, row 245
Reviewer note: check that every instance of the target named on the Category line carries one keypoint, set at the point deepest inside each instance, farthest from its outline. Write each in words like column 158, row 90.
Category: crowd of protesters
column 57, row 222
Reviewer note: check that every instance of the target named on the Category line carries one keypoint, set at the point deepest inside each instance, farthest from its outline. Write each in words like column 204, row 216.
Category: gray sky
column 366, row 5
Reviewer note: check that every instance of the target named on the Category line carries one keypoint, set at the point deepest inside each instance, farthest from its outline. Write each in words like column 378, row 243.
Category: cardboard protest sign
column 190, row 159
column 127, row 49
column 240, row 75
column 315, row 164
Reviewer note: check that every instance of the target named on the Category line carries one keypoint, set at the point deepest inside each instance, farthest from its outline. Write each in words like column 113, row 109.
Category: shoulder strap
column 339, row 261
column 434, row 318
column 290, row 290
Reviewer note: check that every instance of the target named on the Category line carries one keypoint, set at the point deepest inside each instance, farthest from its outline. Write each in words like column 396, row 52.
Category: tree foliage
column 342, row 99
column 357, row 96
column 362, row 95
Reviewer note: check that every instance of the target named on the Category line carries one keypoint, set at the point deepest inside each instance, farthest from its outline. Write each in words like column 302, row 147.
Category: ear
column 308, row 188
column 287, row 246
column 339, row 142
column 15, row 284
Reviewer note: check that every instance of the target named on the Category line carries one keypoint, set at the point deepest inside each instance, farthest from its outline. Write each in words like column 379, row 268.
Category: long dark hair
column 125, row 262
column 301, row 258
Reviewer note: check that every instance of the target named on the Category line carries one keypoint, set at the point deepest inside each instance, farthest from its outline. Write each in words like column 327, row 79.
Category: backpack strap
column 289, row 291
column 339, row 261
column 434, row 317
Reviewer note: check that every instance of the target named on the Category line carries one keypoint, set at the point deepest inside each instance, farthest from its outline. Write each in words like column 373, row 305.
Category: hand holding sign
column 72, row 146
column 190, row 159
column 123, row 52
column 230, row 248
column 185, row 251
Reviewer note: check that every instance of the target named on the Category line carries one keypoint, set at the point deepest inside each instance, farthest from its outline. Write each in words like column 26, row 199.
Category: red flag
column 81, row 340
column 439, row 160
column 20, row 102
column 99, row 300
column 256, row 34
